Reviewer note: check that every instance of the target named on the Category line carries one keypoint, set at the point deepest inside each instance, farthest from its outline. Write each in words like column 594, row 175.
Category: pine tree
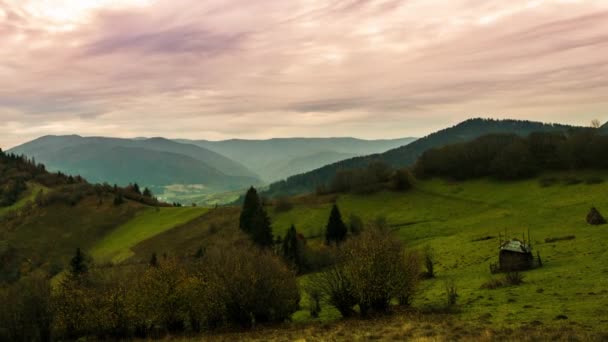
column 255, row 221
column 78, row 264
column 136, row 189
column 147, row 193
column 336, row 229
column 250, row 207
column 261, row 229
column 290, row 248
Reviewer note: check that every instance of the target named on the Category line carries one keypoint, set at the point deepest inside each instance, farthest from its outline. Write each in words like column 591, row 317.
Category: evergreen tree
column 154, row 260
column 290, row 249
column 255, row 221
column 250, row 207
column 136, row 189
column 78, row 264
column 336, row 229
column 261, row 229
column 147, row 193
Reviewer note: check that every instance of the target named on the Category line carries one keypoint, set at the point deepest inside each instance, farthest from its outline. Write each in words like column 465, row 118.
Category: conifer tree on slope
column 250, row 207
column 255, row 221
column 261, row 229
column 336, row 230
column 290, row 247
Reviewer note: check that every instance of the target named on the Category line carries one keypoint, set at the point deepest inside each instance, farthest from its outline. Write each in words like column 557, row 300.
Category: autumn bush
column 253, row 285
column 373, row 269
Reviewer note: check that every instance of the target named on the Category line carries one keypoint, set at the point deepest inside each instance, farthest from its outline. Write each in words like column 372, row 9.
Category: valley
column 133, row 240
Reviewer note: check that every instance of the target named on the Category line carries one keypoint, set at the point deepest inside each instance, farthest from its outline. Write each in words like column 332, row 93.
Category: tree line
column 509, row 157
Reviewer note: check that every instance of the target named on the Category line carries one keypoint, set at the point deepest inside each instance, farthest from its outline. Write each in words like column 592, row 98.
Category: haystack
column 595, row 218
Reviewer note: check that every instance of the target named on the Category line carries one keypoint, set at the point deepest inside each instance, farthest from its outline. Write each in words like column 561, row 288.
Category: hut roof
column 516, row 246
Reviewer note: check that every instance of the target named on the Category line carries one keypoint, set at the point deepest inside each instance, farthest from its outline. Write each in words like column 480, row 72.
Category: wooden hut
column 515, row 255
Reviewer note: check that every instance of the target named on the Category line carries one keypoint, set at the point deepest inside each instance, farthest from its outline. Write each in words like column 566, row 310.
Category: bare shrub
column 373, row 269
column 336, row 289
column 493, row 284
column 514, row 278
column 255, row 286
column 451, row 292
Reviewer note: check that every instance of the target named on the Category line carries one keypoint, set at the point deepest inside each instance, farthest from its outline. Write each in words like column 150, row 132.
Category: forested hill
column 407, row 155
column 510, row 157
column 152, row 162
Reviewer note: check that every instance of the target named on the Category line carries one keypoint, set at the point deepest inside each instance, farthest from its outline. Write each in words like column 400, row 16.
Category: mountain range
column 279, row 158
column 203, row 167
column 151, row 162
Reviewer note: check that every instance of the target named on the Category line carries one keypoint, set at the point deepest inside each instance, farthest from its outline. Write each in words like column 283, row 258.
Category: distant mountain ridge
column 407, row 155
column 152, row 162
column 278, row 158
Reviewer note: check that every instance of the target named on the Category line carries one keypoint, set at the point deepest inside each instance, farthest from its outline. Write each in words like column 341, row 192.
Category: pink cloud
column 226, row 69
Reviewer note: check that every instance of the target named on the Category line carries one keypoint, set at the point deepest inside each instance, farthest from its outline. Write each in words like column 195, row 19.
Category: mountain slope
column 279, row 158
column 151, row 162
column 406, row 155
column 53, row 214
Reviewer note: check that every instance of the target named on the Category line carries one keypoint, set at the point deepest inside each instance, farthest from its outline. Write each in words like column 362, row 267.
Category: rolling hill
column 55, row 214
column 407, row 155
column 154, row 162
column 275, row 159
column 461, row 221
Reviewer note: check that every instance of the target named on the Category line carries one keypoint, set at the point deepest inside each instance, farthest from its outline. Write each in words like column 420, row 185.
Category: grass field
column 450, row 216
column 32, row 190
column 116, row 246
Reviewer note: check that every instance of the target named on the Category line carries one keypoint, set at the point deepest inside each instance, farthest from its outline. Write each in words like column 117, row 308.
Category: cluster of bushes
column 230, row 285
column 508, row 156
column 377, row 176
column 372, row 269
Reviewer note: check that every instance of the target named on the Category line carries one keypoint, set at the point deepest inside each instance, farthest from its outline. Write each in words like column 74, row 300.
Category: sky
column 220, row 69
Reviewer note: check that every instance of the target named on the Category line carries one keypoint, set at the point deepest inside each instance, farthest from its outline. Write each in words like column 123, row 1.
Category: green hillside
column 462, row 221
column 116, row 246
column 30, row 194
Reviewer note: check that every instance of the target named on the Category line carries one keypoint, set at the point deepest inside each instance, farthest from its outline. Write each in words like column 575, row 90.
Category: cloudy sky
column 219, row 69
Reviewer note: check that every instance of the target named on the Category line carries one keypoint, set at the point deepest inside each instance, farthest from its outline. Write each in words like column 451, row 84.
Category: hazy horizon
column 357, row 68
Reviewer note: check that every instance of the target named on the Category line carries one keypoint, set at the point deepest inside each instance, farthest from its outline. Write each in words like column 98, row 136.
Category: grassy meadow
column 462, row 221
column 147, row 223
column 30, row 194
